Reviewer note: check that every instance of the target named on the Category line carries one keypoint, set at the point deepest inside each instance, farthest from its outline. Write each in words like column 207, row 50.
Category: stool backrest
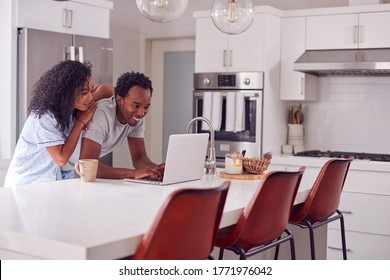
column 267, row 214
column 324, row 197
column 186, row 225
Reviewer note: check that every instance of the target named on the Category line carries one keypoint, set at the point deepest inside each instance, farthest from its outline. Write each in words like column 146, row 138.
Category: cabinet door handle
column 302, row 85
column 361, row 33
column 345, row 212
column 81, row 54
column 339, row 249
column 355, row 34
column 70, row 53
column 70, row 18
column 224, row 58
column 64, row 17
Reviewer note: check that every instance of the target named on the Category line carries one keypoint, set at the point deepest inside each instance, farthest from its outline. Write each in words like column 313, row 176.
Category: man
column 118, row 118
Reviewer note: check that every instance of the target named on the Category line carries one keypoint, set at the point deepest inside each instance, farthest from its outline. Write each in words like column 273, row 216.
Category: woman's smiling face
column 83, row 99
column 134, row 106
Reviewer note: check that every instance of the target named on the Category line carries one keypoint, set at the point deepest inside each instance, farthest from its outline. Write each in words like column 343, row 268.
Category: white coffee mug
column 87, row 169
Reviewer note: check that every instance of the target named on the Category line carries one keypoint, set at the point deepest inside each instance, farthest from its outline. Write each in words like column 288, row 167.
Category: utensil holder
column 296, row 134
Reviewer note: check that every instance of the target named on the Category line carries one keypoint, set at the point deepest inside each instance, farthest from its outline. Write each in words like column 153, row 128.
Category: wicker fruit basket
column 257, row 165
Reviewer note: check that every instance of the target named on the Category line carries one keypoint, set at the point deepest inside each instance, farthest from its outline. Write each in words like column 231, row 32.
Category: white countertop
column 357, row 164
column 71, row 219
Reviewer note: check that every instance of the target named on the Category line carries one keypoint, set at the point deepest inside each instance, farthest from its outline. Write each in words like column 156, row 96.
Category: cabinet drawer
column 368, row 182
column 365, row 213
column 360, row 246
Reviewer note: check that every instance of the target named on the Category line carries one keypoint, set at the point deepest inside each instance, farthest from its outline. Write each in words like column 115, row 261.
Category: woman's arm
column 103, row 91
column 61, row 153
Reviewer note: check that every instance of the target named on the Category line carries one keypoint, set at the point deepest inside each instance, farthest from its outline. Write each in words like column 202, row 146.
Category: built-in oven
column 245, row 85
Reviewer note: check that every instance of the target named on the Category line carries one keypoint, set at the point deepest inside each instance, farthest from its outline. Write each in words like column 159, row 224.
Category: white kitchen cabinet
column 348, row 31
column 365, row 202
column 220, row 52
column 211, row 47
column 360, row 246
column 84, row 17
column 360, row 209
column 373, row 30
column 295, row 85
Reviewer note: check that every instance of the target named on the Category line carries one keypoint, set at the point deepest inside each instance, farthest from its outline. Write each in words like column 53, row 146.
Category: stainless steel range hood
column 363, row 62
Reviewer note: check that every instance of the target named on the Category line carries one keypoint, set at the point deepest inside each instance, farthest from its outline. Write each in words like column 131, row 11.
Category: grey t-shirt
column 106, row 130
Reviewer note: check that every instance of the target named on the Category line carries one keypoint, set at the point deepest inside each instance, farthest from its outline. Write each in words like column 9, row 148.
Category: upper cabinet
column 220, row 52
column 348, row 31
column 84, row 17
column 295, row 85
column 373, row 30
column 321, row 29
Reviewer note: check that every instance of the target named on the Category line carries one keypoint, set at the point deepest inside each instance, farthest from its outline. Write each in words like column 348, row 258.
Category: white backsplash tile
column 351, row 114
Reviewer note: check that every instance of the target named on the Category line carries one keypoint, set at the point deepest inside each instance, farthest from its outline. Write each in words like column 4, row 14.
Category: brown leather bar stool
column 322, row 202
column 186, row 225
column 264, row 220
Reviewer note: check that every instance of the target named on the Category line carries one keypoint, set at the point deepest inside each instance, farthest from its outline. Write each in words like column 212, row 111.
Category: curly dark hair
column 128, row 80
column 56, row 90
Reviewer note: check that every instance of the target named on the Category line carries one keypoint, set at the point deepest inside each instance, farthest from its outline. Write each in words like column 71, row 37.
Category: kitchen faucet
column 211, row 162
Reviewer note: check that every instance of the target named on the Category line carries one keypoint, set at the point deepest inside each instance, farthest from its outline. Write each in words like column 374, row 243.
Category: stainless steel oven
column 248, row 84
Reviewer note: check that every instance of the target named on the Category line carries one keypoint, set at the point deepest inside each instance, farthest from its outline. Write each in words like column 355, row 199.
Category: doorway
column 172, row 65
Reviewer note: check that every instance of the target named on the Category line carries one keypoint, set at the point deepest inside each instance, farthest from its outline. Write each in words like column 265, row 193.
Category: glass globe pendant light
column 232, row 16
column 162, row 10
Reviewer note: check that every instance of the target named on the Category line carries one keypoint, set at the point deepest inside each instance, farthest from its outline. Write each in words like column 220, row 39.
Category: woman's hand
column 85, row 117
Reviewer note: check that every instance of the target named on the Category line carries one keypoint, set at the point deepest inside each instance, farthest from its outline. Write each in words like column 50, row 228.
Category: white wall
column 352, row 114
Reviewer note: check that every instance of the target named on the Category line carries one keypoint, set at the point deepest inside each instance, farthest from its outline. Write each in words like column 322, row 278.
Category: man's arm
column 91, row 149
column 138, row 152
column 140, row 158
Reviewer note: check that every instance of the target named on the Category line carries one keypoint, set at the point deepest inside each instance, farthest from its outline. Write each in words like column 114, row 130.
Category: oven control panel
column 239, row 80
column 226, row 80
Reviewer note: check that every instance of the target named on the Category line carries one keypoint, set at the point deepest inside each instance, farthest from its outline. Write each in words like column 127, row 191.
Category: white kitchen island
column 105, row 219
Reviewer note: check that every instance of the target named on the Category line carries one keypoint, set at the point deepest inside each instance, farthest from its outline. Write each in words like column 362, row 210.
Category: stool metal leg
column 343, row 241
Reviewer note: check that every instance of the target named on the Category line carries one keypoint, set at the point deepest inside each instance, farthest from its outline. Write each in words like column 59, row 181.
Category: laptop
column 185, row 159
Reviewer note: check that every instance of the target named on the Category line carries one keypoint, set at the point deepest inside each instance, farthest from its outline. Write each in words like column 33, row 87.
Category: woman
column 62, row 105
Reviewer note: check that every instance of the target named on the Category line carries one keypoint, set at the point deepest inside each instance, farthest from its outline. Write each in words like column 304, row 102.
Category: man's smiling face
column 134, row 106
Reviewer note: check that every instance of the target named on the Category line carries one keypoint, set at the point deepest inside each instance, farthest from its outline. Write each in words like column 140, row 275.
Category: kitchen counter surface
column 357, row 164
column 105, row 219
